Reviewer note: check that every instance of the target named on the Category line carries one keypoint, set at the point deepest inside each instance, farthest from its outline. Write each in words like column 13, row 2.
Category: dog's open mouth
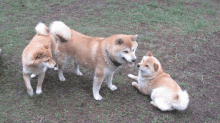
column 130, row 64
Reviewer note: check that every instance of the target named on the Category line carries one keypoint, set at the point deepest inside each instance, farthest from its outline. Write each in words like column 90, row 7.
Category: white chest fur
column 33, row 70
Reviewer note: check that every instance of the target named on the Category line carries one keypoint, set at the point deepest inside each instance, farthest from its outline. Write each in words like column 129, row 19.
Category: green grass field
column 183, row 34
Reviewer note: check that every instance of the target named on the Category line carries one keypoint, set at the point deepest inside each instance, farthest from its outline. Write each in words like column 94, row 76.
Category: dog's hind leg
column 160, row 99
column 161, row 104
column 61, row 62
column 76, row 69
column 39, row 84
column 60, row 72
column 109, row 82
column 28, row 84
column 60, row 59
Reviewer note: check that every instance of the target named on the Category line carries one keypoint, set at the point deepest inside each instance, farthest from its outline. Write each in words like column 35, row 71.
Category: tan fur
column 94, row 53
column 36, row 55
column 151, row 76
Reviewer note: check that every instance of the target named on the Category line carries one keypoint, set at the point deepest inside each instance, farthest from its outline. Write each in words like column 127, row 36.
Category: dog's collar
column 117, row 64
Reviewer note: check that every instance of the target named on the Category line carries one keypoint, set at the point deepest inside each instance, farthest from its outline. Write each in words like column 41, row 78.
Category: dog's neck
column 150, row 77
column 117, row 64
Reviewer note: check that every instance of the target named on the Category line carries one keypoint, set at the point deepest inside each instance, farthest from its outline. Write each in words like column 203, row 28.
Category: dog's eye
column 146, row 65
column 48, row 60
column 125, row 51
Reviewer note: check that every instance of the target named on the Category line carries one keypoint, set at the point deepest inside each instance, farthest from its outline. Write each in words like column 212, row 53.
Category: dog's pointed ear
column 156, row 67
column 134, row 37
column 48, row 46
column 39, row 54
column 119, row 41
column 148, row 53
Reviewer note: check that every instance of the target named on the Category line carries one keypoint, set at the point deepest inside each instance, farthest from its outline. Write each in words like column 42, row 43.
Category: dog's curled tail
column 182, row 100
column 60, row 30
column 42, row 29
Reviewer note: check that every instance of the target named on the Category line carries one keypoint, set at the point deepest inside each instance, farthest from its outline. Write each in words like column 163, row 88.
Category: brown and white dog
column 165, row 93
column 37, row 57
column 102, row 55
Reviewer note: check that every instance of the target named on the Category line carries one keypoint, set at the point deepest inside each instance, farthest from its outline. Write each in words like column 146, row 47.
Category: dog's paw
column 131, row 76
column 33, row 75
column 79, row 73
column 98, row 97
column 62, row 78
column 38, row 91
column 113, row 87
column 152, row 102
column 134, row 83
column 30, row 92
column 56, row 68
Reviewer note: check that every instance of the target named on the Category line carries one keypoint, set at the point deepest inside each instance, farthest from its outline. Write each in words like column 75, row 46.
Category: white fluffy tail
column 42, row 29
column 60, row 30
column 182, row 102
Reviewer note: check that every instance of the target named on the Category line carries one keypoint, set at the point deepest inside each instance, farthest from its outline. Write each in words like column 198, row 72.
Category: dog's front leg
column 39, row 84
column 97, row 82
column 135, row 84
column 28, row 84
column 133, row 77
column 109, row 82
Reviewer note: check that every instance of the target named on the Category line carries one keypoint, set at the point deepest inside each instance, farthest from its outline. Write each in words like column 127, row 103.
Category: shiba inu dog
column 165, row 93
column 37, row 57
column 102, row 55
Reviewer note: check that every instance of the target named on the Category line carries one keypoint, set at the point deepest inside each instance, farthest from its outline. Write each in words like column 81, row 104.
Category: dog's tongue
column 130, row 64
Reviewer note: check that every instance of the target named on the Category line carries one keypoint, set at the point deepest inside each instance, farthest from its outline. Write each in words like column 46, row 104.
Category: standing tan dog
column 165, row 93
column 37, row 57
column 102, row 55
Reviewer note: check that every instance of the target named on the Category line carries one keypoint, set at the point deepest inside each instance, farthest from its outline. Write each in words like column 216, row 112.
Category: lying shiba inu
column 102, row 55
column 37, row 57
column 165, row 93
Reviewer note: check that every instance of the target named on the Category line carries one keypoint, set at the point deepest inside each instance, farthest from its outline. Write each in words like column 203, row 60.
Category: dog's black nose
column 133, row 60
column 55, row 65
column 138, row 65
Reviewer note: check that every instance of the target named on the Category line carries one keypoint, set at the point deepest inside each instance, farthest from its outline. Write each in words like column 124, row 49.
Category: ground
column 183, row 34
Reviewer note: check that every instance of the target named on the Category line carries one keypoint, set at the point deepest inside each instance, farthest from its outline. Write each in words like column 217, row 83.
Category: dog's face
column 149, row 65
column 43, row 57
column 124, row 49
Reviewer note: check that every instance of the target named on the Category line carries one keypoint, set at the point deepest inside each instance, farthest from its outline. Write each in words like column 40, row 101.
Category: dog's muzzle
column 130, row 64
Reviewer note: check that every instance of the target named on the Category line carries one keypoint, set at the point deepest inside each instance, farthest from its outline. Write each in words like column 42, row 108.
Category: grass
column 183, row 34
